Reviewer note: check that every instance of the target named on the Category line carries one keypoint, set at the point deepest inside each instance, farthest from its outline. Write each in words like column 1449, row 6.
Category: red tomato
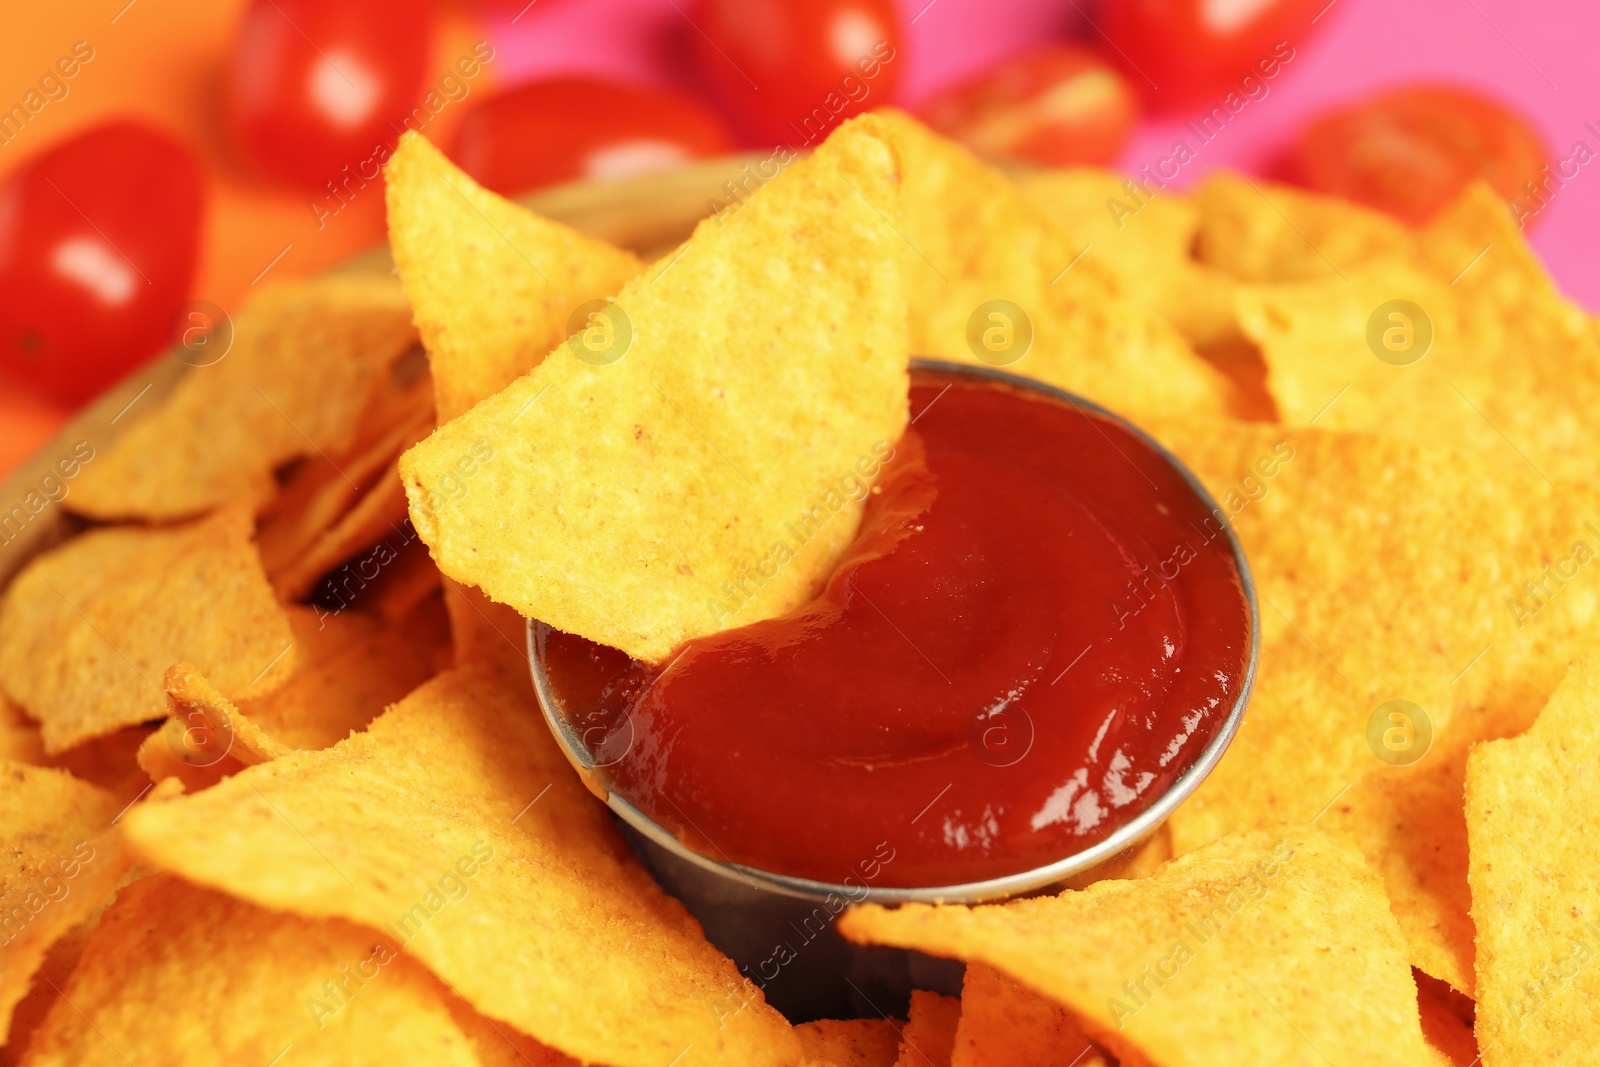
column 788, row 71
column 318, row 84
column 1180, row 52
column 567, row 128
column 98, row 241
column 1058, row 105
column 1411, row 151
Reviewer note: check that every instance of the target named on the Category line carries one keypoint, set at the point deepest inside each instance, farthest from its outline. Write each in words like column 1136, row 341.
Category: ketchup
column 1038, row 628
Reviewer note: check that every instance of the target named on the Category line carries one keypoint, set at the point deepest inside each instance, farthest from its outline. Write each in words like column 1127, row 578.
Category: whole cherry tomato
column 788, row 71
column 1182, row 52
column 561, row 129
column 1058, row 105
column 1410, row 151
column 318, row 84
column 98, row 241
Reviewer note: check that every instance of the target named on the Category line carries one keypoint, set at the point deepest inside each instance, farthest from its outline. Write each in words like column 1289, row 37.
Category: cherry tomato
column 98, row 241
column 567, row 128
column 1411, row 151
column 1058, row 105
column 1181, row 52
column 789, row 71
column 315, row 85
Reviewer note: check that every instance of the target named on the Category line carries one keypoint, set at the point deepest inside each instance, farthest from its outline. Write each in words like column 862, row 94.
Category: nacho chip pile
column 274, row 787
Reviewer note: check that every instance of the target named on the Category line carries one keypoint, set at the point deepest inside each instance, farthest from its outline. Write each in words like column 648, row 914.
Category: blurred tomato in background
column 1179, row 52
column 1058, row 105
column 1410, row 151
column 562, row 129
column 787, row 71
column 98, row 242
column 314, row 85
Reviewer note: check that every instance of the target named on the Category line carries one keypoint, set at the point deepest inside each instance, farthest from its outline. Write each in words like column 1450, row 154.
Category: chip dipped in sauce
column 1039, row 627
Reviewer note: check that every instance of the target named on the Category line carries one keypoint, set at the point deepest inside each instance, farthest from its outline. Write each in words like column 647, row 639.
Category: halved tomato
column 1057, row 105
column 1410, row 151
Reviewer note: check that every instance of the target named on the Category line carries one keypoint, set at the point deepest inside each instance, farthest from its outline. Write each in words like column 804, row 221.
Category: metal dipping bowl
column 751, row 914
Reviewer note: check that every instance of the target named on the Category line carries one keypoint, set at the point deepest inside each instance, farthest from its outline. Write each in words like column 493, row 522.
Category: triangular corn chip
column 57, row 863
column 1251, row 950
column 628, row 493
column 1533, row 830
column 971, row 239
column 306, row 357
column 929, row 1035
column 454, row 826
column 1260, row 231
column 256, row 987
column 88, row 630
column 849, row 1042
column 490, row 283
column 1006, row 1024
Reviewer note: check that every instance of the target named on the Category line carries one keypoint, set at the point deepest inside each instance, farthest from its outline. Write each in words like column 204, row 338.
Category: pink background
column 1537, row 56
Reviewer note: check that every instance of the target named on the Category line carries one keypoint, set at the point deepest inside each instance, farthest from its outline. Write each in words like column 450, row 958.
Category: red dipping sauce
column 1039, row 627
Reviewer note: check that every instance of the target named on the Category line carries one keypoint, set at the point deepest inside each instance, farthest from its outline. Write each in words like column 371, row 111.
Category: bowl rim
column 1123, row 838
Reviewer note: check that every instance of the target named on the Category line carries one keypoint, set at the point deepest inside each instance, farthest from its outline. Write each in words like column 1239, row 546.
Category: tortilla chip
column 253, row 984
column 1259, row 231
column 1139, row 861
column 632, row 502
column 205, row 738
column 1251, row 950
column 1476, row 246
column 1456, row 539
column 1519, row 381
column 319, row 495
column 87, row 630
column 969, row 238
column 1533, row 804
column 376, row 516
column 454, row 825
column 1006, row 1024
column 930, row 1032
column 305, row 357
column 849, row 1042
column 352, row 667
column 491, row 284
column 1143, row 242
column 56, row 864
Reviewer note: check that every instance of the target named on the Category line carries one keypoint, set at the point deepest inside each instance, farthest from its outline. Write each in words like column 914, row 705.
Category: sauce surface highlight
column 1038, row 628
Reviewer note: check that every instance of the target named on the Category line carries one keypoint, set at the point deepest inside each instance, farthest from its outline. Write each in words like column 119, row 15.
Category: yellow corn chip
column 454, row 825
column 304, row 361
column 1260, row 231
column 320, row 491
column 205, row 738
column 1388, row 349
column 56, row 864
column 643, row 492
column 491, row 284
column 930, row 1032
column 350, row 668
column 1006, row 1024
column 1531, row 806
column 378, row 515
column 976, row 250
column 1476, row 246
column 87, row 630
column 849, row 1042
column 1140, row 861
column 255, row 987
column 1142, row 242
column 1251, row 950
column 1457, row 541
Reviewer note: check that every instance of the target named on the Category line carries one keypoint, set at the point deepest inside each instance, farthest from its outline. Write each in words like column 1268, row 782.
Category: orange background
column 162, row 61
